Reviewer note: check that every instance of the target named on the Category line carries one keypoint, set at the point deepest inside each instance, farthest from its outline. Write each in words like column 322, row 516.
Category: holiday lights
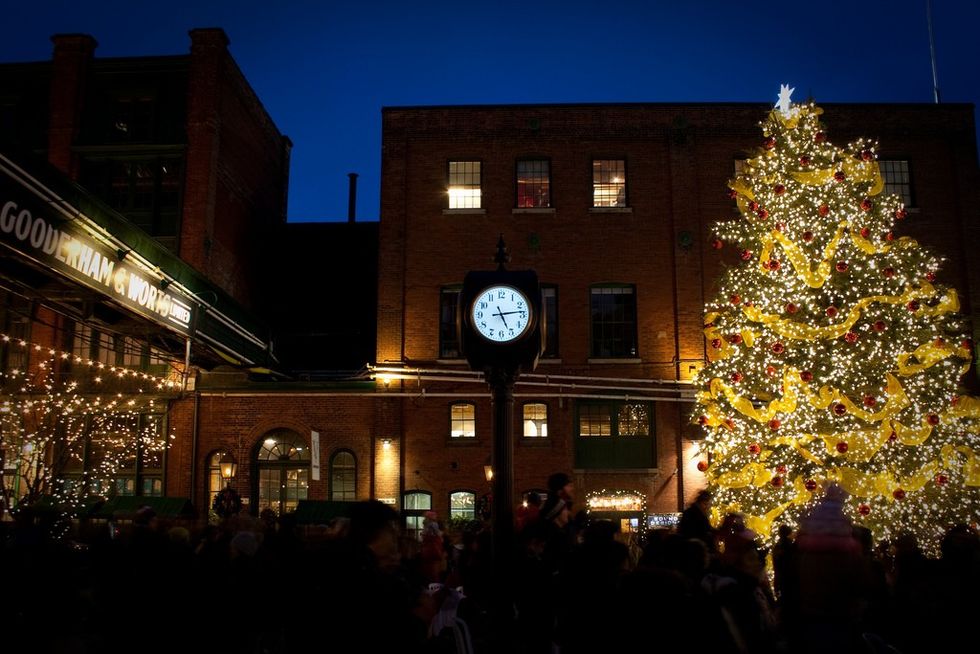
column 834, row 357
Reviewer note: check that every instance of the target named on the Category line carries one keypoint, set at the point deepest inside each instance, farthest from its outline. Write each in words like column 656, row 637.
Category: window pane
column 535, row 420
column 613, row 321
column 464, row 185
column 463, row 419
column 634, row 420
column 448, row 340
column 897, row 180
column 343, row 477
column 549, row 297
column 609, row 183
column 417, row 502
column 533, row 183
column 462, row 504
column 594, row 420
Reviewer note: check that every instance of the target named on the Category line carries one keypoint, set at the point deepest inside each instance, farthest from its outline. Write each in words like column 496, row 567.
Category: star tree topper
column 784, row 100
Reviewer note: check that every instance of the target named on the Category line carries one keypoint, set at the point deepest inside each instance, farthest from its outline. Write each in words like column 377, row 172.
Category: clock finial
column 503, row 254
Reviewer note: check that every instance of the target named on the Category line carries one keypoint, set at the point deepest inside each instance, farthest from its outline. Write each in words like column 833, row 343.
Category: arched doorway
column 282, row 463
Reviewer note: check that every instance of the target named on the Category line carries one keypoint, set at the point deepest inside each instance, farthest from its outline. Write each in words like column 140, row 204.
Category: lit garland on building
column 834, row 355
column 70, row 435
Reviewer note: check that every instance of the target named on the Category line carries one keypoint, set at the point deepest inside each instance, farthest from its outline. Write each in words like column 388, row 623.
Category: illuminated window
column 132, row 352
column 897, row 179
column 448, row 338
column 343, row 476
column 594, row 420
column 215, row 482
column 613, row 321
column 549, row 301
column 535, row 420
column 462, row 505
column 463, row 420
column 533, row 183
column 107, row 349
column 15, row 312
column 283, row 462
column 614, row 435
column 414, row 505
column 608, row 183
column 464, row 185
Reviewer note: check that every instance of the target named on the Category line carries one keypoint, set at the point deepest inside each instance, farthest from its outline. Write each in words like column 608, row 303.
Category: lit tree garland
column 49, row 421
column 834, row 355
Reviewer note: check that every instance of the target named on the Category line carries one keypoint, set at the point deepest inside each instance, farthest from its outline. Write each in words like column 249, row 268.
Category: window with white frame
column 608, row 183
column 462, row 505
column 535, row 420
column 462, row 416
column 464, row 185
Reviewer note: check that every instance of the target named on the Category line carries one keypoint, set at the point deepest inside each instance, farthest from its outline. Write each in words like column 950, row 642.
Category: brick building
column 182, row 175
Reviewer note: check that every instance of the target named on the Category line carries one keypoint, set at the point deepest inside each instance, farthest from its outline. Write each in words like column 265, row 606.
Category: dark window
column 608, row 183
column 533, row 183
column 132, row 120
column 448, row 337
column 15, row 321
column 343, row 476
column 464, row 185
column 614, row 435
column 898, row 181
column 613, row 321
column 549, row 302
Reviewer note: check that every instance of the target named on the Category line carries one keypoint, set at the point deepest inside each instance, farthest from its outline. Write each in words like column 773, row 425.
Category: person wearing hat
column 560, row 485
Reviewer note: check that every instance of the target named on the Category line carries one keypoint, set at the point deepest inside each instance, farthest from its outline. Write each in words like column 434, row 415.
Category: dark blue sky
column 324, row 69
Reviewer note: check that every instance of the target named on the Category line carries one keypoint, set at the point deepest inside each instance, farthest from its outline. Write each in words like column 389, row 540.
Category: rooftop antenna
column 932, row 53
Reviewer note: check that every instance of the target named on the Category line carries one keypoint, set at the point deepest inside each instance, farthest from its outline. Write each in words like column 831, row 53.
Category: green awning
column 320, row 512
column 124, row 507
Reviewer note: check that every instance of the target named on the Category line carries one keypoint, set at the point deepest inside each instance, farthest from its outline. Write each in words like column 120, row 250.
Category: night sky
column 324, row 73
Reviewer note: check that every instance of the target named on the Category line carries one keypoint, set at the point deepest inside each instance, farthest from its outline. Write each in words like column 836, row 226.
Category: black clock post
column 501, row 337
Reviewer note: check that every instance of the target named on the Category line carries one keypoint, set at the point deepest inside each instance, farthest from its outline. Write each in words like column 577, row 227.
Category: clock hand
column 501, row 314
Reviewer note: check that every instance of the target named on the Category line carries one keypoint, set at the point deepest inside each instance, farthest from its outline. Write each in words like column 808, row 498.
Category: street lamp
column 228, row 467
column 488, row 473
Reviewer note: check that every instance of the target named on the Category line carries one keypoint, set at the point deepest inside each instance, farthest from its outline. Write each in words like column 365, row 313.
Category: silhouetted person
column 694, row 521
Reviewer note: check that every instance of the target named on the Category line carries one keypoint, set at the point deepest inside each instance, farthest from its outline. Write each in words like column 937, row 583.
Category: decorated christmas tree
column 835, row 357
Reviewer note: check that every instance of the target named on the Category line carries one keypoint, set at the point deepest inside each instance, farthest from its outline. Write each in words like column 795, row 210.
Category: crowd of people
column 265, row 585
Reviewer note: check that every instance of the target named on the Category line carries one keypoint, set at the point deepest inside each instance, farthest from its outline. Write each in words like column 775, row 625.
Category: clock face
column 501, row 314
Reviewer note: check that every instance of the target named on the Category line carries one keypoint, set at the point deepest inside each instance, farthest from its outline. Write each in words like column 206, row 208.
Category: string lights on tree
column 834, row 354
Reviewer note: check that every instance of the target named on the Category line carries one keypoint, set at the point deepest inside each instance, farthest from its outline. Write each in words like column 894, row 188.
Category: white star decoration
column 784, row 92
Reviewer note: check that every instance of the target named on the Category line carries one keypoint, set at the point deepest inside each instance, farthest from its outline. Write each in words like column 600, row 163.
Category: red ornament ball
column 939, row 342
column 775, row 424
column 810, row 485
column 867, row 155
column 703, row 420
column 729, row 423
column 888, row 272
column 805, row 160
column 867, row 204
column 777, row 481
column 746, row 255
column 900, row 213
column 842, row 447
column 823, row 210
column 879, row 326
column 762, row 213
column 851, row 337
column 807, row 236
column 932, row 419
column 781, row 469
column 791, row 308
column 865, row 232
column 890, row 236
column 913, row 305
column 898, row 494
column 774, row 264
column 716, row 343
column 839, row 410
column 941, row 479
column 778, row 348
column 870, row 401
column 930, row 277
column 736, row 377
column 840, row 176
column 806, row 376
column 754, row 448
column 831, row 311
column 753, row 205
column 779, row 227
column 702, row 466
column 770, row 370
column 841, row 266
column 732, row 194
column 820, row 137
column 966, row 344
column 779, row 189
column 735, row 299
column 735, row 339
column 769, row 143
column 864, row 509
column 717, row 244
column 892, row 437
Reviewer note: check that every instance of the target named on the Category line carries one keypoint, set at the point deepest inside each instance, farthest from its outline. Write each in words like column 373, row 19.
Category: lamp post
column 228, row 468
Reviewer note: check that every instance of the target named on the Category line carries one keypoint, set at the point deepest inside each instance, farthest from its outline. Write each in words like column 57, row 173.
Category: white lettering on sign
column 99, row 267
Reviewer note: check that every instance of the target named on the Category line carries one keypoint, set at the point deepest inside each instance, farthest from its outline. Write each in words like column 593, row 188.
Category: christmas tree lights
column 834, row 354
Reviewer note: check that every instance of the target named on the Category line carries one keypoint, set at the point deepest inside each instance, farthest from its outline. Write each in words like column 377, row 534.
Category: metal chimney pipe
column 352, row 197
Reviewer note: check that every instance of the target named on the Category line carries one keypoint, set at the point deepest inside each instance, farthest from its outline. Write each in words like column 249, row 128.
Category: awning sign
column 34, row 230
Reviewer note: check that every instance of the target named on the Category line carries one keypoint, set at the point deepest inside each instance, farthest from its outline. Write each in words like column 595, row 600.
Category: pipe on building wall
column 195, row 431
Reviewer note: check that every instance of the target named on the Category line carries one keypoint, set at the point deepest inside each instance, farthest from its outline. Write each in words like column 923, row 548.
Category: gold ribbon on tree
column 928, row 355
column 854, row 169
